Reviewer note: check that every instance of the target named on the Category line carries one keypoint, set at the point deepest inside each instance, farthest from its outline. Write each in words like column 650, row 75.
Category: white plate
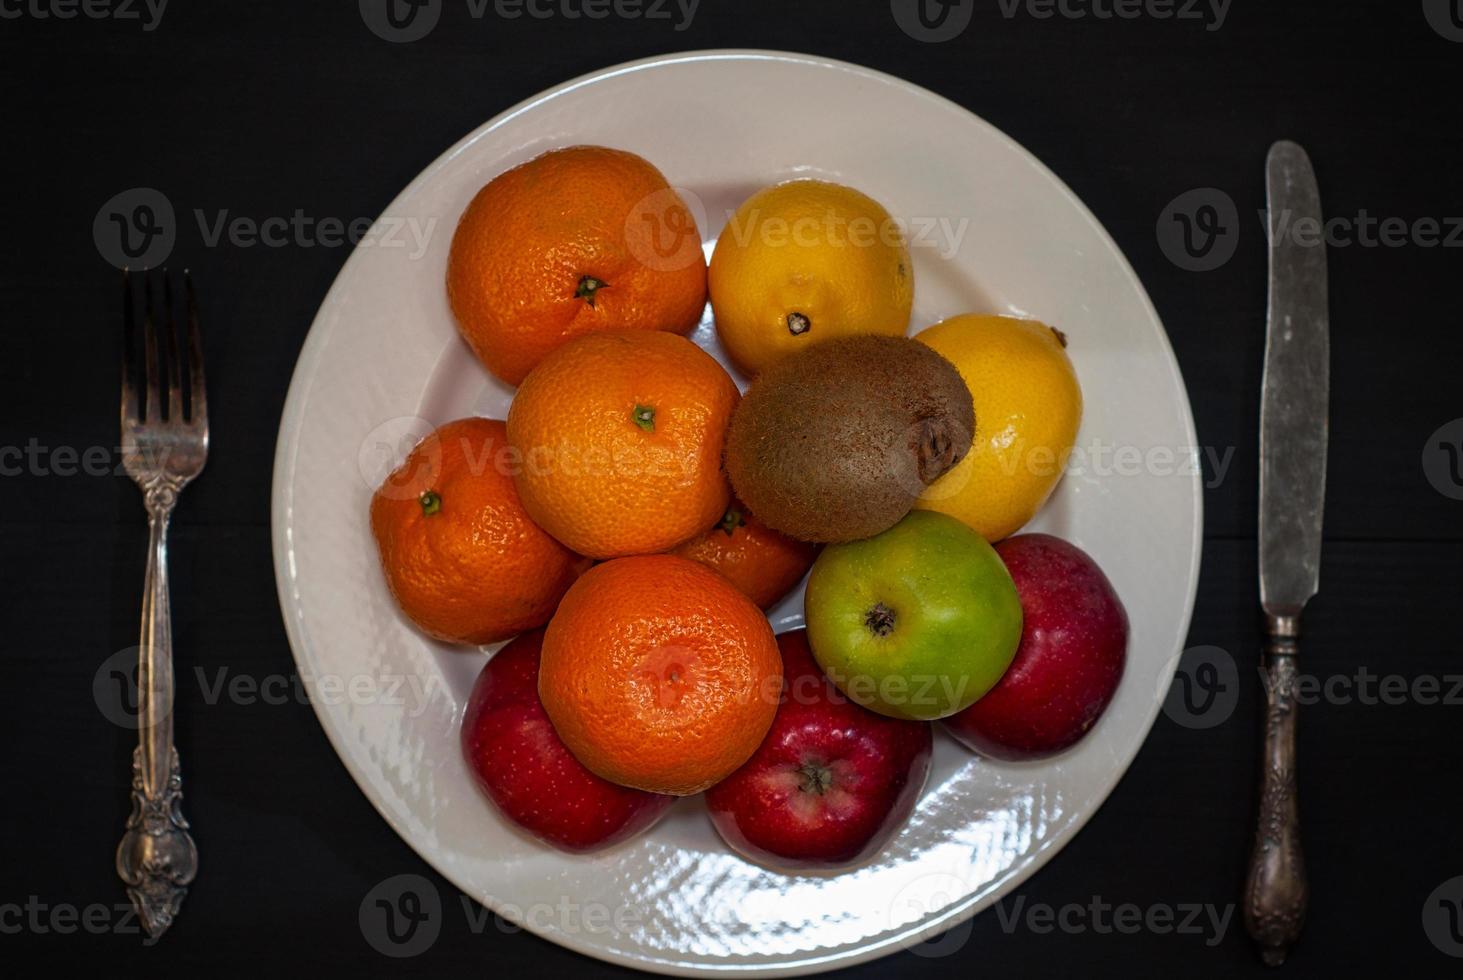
column 383, row 361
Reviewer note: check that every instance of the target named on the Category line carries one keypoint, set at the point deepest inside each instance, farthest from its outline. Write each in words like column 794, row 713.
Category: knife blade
column 1293, row 432
column 1295, row 388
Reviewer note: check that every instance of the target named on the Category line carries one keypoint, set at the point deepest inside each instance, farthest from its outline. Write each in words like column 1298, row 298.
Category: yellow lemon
column 1028, row 406
column 804, row 261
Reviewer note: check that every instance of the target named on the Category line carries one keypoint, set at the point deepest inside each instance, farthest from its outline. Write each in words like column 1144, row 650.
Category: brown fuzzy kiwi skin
column 836, row 442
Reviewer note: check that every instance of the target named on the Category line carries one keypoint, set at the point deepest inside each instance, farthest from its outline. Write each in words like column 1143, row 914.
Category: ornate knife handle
column 1276, row 892
column 156, row 858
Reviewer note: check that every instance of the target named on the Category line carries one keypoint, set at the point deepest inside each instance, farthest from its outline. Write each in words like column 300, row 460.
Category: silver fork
column 164, row 445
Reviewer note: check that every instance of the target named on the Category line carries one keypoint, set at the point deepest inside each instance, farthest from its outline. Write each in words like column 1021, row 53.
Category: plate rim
column 286, row 449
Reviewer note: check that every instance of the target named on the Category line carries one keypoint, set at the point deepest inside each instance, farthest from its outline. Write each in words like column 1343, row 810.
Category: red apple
column 1074, row 644
column 831, row 782
column 521, row 765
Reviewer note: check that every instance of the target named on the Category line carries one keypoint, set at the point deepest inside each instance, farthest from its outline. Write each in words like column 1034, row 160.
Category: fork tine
column 197, row 396
column 171, row 352
column 131, row 404
column 149, row 352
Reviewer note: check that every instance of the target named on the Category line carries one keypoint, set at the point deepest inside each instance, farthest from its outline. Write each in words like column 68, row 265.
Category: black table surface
column 268, row 108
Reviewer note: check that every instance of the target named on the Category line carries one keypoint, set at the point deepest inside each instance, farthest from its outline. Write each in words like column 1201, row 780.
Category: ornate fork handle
column 1276, row 892
column 156, row 858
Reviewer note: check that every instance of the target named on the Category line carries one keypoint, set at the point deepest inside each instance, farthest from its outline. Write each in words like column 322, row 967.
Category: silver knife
column 1293, row 432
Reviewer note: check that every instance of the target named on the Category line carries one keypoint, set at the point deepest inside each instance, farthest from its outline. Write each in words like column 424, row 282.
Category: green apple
column 917, row 622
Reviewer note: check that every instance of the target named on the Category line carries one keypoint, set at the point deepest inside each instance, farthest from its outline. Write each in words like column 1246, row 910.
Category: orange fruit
column 578, row 239
column 659, row 675
column 619, row 436
column 764, row 564
column 461, row 555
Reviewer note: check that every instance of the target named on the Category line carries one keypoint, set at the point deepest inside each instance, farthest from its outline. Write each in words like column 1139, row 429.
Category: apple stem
column 880, row 620
column 816, row 778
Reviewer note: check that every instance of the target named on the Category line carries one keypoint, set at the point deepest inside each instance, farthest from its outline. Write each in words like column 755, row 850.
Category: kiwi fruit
column 837, row 441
